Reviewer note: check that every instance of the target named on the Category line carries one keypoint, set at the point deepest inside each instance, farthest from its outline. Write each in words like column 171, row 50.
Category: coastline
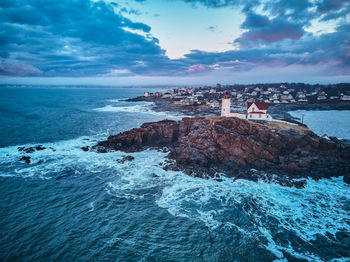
column 277, row 111
column 212, row 145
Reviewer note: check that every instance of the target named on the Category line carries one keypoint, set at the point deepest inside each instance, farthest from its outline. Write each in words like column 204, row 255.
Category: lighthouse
column 226, row 106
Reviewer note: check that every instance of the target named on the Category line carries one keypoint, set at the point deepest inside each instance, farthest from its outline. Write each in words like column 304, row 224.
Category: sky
column 174, row 42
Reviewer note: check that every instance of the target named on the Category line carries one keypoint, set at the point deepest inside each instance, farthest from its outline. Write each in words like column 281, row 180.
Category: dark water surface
column 68, row 204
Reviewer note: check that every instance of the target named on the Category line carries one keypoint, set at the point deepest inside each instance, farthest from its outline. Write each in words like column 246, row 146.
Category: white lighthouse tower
column 226, row 106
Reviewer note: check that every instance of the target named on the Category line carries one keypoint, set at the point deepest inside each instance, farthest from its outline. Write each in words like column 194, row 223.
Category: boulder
column 125, row 159
column 25, row 159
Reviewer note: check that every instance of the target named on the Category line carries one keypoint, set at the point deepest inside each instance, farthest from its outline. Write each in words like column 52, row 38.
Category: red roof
column 256, row 113
column 259, row 105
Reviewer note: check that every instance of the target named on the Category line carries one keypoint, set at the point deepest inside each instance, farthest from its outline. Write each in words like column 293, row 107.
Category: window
column 259, row 115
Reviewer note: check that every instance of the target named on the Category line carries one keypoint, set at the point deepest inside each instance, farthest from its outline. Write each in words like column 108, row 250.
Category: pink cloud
column 196, row 68
column 18, row 69
column 277, row 63
column 347, row 51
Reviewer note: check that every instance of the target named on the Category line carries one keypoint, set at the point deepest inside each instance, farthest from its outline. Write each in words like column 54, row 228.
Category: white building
column 226, row 108
column 322, row 96
column 345, row 97
column 255, row 110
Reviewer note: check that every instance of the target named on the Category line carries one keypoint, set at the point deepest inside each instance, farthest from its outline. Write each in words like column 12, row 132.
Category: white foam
column 141, row 107
column 58, row 157
column 319, row 208
column 117, row 100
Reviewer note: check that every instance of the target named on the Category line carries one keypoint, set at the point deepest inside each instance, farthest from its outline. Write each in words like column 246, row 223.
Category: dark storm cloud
column 218, row 3
column 331, row 5
column 261, row 28
column 278, row 37
column 72, row 37
column 85, row 38
column 332, row 48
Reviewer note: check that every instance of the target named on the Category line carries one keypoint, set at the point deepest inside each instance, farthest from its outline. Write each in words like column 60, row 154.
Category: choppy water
column 70, row 204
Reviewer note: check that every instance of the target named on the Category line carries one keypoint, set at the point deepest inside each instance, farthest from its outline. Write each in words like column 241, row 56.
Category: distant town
column 286, row 93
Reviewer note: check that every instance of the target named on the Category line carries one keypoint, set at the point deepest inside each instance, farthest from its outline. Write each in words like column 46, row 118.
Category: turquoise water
column 69, row 204
column 330, row 122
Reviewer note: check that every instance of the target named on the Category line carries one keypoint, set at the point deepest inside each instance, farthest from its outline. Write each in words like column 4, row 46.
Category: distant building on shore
column 255, row 110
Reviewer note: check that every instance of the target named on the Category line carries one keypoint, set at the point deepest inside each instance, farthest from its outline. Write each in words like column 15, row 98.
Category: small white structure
column 344, row 97
column 226, row 108
column 146, row 94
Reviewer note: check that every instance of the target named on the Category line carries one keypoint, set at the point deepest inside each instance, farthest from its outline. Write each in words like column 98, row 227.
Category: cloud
column 89, row 38
column 75, row 38
column 331, row 5
column 196, row 68
column 212, row 28
column 261, row 28
column 223, row 3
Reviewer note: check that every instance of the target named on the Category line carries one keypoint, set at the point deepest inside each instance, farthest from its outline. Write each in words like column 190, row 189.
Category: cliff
column 239, row 148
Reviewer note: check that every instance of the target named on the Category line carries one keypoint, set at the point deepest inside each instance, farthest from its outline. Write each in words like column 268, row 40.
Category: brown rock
column 224, row 144
column 26, row 159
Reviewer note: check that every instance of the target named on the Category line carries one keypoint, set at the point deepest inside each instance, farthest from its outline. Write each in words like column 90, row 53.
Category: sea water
column 326, row 122
column 68, row 204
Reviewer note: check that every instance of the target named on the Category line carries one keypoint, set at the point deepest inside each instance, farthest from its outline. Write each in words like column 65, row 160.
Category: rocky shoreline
column 213, row 146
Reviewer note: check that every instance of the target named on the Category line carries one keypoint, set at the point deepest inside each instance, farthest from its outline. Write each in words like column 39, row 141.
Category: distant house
column 257, row 110
column 345, row 97
column 301, row 97
column 322, row 96
column 146, row 94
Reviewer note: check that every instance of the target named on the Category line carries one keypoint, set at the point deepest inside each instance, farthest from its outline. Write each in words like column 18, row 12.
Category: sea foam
column 140, row 107
column 253, row 210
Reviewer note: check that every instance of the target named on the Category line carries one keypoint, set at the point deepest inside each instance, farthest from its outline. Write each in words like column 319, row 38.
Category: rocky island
column 212, row 146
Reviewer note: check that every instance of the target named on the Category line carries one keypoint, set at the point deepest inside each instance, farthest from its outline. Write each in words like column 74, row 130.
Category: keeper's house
column 255, row 110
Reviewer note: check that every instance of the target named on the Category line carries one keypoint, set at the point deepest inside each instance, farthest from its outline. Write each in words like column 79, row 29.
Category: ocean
column 326, row 122
column 68, row 204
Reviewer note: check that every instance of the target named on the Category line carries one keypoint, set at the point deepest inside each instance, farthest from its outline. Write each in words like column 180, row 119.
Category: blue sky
column 174, row 41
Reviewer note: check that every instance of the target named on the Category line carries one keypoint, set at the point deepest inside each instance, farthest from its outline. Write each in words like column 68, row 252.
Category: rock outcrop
column 235, row 147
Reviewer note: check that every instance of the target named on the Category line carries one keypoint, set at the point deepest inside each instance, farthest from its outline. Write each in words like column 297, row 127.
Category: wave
column 140, row 108
column 252, row 210
column 63, row 157
column 143, row 108
column 117, row 100
column 317, row 210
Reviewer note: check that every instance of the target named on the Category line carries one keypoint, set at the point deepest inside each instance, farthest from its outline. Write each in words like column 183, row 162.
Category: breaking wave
column 138, row 108
column 254, row 211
